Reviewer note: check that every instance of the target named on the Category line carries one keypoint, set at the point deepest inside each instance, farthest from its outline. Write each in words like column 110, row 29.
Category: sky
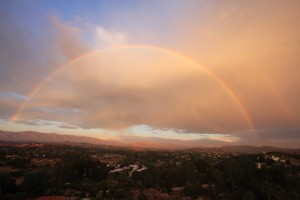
column 202, row 72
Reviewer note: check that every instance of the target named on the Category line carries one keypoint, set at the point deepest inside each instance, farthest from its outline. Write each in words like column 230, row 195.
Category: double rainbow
column 218, row 80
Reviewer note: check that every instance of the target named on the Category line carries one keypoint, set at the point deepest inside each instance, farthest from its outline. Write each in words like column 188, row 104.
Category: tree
column 75, row 168
column 36, row 183
column 7, row 184
column 148, row 178
column 191, row 190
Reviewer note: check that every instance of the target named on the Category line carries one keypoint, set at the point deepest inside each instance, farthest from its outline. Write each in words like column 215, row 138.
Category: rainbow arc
column 212, row 75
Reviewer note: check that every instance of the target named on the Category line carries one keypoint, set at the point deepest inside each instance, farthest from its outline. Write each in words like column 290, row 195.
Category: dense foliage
column 83, row 171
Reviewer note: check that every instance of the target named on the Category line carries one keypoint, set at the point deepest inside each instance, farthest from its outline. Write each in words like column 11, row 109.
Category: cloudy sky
column 204, row 72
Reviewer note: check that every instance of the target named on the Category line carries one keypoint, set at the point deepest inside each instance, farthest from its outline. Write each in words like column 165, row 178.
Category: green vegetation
column 108, row 173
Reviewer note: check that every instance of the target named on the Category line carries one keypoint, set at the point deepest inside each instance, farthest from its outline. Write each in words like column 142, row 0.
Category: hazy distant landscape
column 143, row 142
column 49, row 138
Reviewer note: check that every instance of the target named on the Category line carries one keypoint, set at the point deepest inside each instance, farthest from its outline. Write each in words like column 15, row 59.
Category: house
column 275, row 158
column 259, row 165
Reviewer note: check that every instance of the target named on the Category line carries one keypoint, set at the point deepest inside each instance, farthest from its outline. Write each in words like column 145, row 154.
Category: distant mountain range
column 134, row 141
column 31, row 136
column 253, row 149
column 247, row 149
column 128, row 141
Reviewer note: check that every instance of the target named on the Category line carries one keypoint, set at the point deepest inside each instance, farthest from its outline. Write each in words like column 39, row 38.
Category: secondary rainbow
column 230, row 93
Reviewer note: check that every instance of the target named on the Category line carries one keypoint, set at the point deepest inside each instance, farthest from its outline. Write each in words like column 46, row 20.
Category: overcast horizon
column 206, row 72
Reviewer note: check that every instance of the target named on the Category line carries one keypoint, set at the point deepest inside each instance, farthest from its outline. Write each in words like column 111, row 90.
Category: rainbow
column 270, row 85
column 224, row 86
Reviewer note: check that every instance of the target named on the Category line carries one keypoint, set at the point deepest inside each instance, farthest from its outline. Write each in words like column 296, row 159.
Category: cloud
column 7, row 108
column 27, row 56
column 67, row 126
column 39, row 122
column 16, row 54
column 142, row 86
column 45, row 123
column 68, row 39
column 9, row 102
column 281, row 137
column 252, row 47
column 13, row 95
column 105, row 38
column 39, row 48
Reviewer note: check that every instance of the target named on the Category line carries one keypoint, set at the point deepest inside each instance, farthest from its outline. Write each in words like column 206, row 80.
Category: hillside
column 31, row 136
